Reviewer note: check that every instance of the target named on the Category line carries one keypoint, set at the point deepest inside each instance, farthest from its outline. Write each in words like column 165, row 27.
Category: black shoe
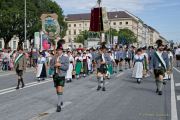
column 157, row 90
column 62, row 103
column 164, row 82
column 98, row 88
column 103, row 89
column 58, row 109
column 138, row 81
column 160, row 93
column 23, row 85
column 17, row 87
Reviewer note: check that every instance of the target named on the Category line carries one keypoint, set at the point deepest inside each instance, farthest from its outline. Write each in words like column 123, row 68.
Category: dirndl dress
column 41, row 68
column 138, row 67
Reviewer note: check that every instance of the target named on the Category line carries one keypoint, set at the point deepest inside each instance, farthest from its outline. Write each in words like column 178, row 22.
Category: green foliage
column 12, row 18
column 84, row 35
column 127, row 35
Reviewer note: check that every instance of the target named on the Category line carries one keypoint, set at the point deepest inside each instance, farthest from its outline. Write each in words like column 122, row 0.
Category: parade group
column 64, row 66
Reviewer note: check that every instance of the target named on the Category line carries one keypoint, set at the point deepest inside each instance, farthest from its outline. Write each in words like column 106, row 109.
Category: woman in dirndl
column 85, row 64
column 78, row 65
column 138, row 66
column 41, row 67
column 71, row 67
column 110, row 65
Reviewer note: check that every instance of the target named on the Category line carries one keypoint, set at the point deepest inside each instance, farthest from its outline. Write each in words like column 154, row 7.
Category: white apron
column 138, row 67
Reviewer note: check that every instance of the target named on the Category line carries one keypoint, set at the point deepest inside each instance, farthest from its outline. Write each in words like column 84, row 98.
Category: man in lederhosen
column 61, row 67
column 102, row 60
column 160, row 64
column 20, row 66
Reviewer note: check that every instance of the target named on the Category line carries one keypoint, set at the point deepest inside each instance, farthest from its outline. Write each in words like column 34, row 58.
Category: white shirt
column 177, row 51
column 103, row 58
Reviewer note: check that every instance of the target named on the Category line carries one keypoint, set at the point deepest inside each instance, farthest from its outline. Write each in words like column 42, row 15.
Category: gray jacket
column 154, row 62
column 129, row 53
column 64, row 61
column 99, row 59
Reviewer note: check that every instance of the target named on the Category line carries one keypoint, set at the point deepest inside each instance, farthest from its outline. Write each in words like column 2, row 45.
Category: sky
column 163, row 15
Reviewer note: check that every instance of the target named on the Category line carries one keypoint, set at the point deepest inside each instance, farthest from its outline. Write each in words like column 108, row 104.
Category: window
column 14, row 44
column 74, row 32
column 69, row 40
column 69, row 25
column 1, row 44
column 79, row 25
column 74, row 25
column 69, row 32
column 126, row 23
column 85, row 24
column 114, row 23
column 120, row 23
column 80, row 31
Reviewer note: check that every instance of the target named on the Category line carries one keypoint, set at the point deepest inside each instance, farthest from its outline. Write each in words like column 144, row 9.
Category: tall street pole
column 25, row 29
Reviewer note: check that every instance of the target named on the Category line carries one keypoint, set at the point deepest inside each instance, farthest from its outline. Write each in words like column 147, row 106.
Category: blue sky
column 163, row 15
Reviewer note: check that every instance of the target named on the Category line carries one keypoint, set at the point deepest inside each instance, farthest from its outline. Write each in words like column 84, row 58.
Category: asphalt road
column 123, row 100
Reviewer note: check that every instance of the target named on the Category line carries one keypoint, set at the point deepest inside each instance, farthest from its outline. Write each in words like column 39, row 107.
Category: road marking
column 119, row 74
column 177, row 70
column 15, row 87
column 13, row 73
column 9, row 90
column 177, row 84
column 50, row 111
column 173, row 101
column 178, row 97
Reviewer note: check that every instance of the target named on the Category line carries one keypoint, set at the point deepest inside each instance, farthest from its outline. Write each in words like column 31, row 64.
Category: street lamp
column 25, row 28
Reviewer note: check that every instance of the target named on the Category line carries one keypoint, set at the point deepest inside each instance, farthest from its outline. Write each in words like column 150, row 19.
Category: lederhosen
column 19, row 72
column 160, row 70
column 103, row 67
column 58, row 80
column 116, row 60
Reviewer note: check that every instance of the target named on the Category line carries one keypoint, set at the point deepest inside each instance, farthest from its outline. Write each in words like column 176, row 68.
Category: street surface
column 124, row 99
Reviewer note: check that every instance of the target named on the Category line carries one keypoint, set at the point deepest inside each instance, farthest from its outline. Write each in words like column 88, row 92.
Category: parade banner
column 106, row 25
column 115, row 40
column 102, row 37
column 50, row 26
column 36, row 40
column 96, row 23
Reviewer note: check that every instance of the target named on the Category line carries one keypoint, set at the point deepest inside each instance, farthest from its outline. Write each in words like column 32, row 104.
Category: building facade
column 146, row 35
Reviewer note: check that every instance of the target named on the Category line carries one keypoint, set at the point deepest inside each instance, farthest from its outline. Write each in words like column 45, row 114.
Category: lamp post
column 25, row 28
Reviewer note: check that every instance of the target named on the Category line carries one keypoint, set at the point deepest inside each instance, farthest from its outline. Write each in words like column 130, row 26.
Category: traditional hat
column 159, row 43
column 103, row 45
column 60, row 44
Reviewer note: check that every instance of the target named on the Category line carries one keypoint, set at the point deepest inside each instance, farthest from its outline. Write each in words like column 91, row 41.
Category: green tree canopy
column 126, row 36
column 12, row 18
column 84, row 35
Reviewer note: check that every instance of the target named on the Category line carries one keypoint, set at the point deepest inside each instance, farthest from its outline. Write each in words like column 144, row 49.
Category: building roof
column 87, row 16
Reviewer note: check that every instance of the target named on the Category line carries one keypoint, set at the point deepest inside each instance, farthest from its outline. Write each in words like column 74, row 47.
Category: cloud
column 135, row 6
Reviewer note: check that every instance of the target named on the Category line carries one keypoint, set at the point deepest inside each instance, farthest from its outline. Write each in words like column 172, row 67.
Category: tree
column 126, row 36
column 12, row 14
column 84, row 35
column 110, row 34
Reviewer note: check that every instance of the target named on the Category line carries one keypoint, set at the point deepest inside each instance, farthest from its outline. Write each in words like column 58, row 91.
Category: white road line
column 13, row 73
column 177, row 70
column 119, row 74
column 27, row 86
column 14, row 87
column 178, row 97
column 177, row 84
column 173, row 101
